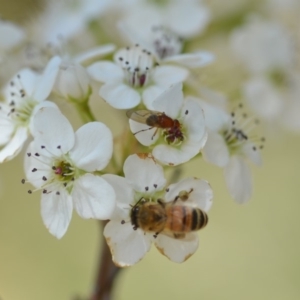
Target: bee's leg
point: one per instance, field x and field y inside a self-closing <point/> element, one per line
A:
<point x="178" y="235"/>
<point x="183" y="196"/>
<point x="161" y="202"/>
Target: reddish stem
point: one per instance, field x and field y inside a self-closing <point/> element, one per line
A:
<point x="107" y="273"/>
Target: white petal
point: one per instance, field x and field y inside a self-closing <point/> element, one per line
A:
<point x="177" y="250"/>
<point x="94" y="53"/>
<point x="14" y="146"/>
<point x="37" y="167"/>
<point x="215" y="118"/>
<point x="192" y="60"/>
<point x="215" y="150"/>
<point x="93" y="197"/>
<point x="127" y="246"/>
<point x="168" y="75"/>
<point x="36" y="109"/>
<point x="253" y="155"/>
<point x="170" y="101"/>
<point x="53" y="130"/>
<point x="56" y="212"/>
<point x="150" y="94"/>
<point x="45" y="84"/>
<point x="105" y="71"/>
<point x="168" y="155"/>
<point x="26" y="80"/>
<point x="200" y="192"/>
<point x="193" y="119"/>
<point x="93" y="147"/>
<point x="144" y="174"/>
<point x="124" y="196"/>
<point x="263" y="97"/>
<point x="120" y="95"/>
<point x="238" y="179"/>
<point x="7" y="125"/>
<point x="145" y="134"/>
<point x="187" y="18"/>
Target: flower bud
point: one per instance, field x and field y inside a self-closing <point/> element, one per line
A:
<point x="72" y="82"/>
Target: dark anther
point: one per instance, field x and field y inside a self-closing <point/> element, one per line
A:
<point x="34" y="170"/>
<point x="65" y="184"/>
<point x="167" y="189"/>
<point x="122" y="222"/>
<point x="29" y="191"/>
<point x="120" y="58"/>
<point x="155" y="185"/>
<point x="53" y="168"/>
<point x="29" y="154"/>
<point x="57" y="193"/>
<point x="43" y="147"/>
<point x="36" y="154"/>
<point x="186" y="112"/>
<point x="23" y="181"/>
<point x="44" y="191"/>
<point x="44" y="178"/>
<point x="254" y="148"/>
<point x="146" y="188"/>
<point x="58" y="147"/>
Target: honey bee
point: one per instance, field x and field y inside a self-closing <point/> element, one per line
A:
<point x="168" y="218"/>
<point x="157" y="120"/>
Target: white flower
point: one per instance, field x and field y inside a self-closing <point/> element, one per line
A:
<point x="228" y="146"/>
<point x="185" y="18"/>
<point x="24" y="94"/>
<point x="263" y="46"/>
<point x="165" y="45"/>
<point x="61" y="163"/>
<point x="183" y="138"/>
<point x="73" y="82"/>
<point x="144" y="180"/>
<point x="133" y="76"/>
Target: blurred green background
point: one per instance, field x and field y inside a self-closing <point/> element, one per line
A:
<point x="246" y="252"/>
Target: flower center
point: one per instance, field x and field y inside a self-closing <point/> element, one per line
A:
<point x="165" y="42"/>
<point x="239" y="132"/>
<point x="63" y="170"/>
<point x="137" y="64"/>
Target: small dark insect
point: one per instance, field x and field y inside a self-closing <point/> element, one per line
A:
<point x="158" y="120"/>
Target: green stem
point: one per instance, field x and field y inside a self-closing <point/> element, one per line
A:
<point x="84" y="112"/>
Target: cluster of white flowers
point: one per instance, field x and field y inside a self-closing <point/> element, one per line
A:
<point x="136" y="61"/>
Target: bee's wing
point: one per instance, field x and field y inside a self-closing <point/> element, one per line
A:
<point x="142" y="115"/>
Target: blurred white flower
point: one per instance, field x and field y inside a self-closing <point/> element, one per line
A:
<point x="263" y="46"/>
<point x="229" y="146"/>
<point x="144" y="179"/>
<point x="61" y="164"/>
<point x="185" y="18"/>
<point x="178" y="131"/>
<point x="64" y="19"/>
<point x="165" y="45"/>
<point x="263" y="98"/>
<point x="133" y="76"/>
<point x="24" y="95"/>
